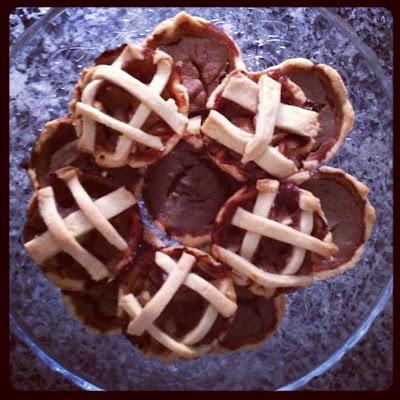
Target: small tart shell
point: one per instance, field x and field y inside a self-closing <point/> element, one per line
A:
<point x="149" y="346"/>
<point x="244" y="117"/>
<point x="272" y="262"/>
<point x="76" y="278"/>
<point x="183" y="193"/>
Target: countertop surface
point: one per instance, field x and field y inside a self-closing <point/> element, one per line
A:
<point x="368" y="366"/>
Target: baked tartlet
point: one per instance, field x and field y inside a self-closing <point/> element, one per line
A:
<point x="276" y="122"/>
<point x="180" y="302"/>
<point x="81" y="229"/>
<point x="130" y="107"/>
<point x="272" y="234"/>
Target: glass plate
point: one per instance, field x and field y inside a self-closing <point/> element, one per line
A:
<point x="322" y="322"/>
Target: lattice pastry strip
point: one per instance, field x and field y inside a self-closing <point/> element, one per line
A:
<point x="269" y="98"/>
<point x="219" y="128"/>
<point x="151" y="101"/>
<point x="245" y="92"/>
<point x="257" y="224"/>
<point x="179" y="274"/>
<point x="62" y="233"/>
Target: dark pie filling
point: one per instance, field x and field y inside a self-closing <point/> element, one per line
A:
<point x="254" y="320"/>
<point x="271" y="255"/>
<point x="97" y="306"/>
<point x="58" y="150"/>
<point x="128" y="224"/>
<point x="344" y="211"/>
<point x="186" y="308"/>
<point x="184" y="191"/>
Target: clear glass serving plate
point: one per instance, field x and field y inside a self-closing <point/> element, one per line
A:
<point x="322" y="322"/>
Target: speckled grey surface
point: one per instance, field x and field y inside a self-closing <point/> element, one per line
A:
<point x="319" y="318"/>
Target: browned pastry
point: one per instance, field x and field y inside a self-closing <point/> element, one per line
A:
<point x="81" y="229"/>
<point x="204" y="53"/>
<point x="180" y="301"/>
<point x="272" y="234"/>
<point x="130" y="107"/>
<point x="265" y="124"/>
<point x="184" y="192"/>
<point x="56" y="147"/>
<point x="256" y="320"/>
<point x="349" y="214"/>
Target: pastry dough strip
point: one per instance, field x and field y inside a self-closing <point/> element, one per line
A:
<point x="244" y="91"/>
<point x="269" y="98"/>
<point x="219" y="128"/>
<point x="57" y="227"/>
<point x="205" y="289"/>
<point x="46" y="246"/>
<point x="262" y="207"/>
<point x="275" y="230"/>
<point x="266" y="279"/>
<point x="133" y="308"/>
<point x="160" y="300"/>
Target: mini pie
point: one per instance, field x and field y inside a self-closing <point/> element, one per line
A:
<point x="271" y="234"/>
<point x="130" y="107"/>
<point x="56" y="147"/>
<point x="227" y="160"/>
<point x="204" y="53"/>
<point x="81" y="229"/>
<point x="184" y="192"/>
<point x="159" y="291"/>
<point x="272" y="123"/>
